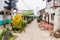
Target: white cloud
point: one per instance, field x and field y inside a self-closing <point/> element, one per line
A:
<point x="32" y="4"/>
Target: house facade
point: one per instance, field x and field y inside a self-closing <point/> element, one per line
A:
<point x="6" y="15"/>
<point x="52" y="13"/>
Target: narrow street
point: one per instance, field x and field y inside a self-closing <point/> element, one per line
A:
<point x="30" y="20"/>
<point x="33" y="33"/>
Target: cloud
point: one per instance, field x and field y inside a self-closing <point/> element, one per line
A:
<point x="32" y="4"/>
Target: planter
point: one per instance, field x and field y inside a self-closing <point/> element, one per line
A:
<point x="8" y="21"/>
<point x="1" y="20"/>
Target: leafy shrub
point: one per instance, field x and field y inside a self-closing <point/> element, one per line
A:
<point x="27" y="13"/>
<point x="16" y="22"/>
<point x="24" y="22"/>
<point x="29" y="20"/>
<point x="38" y="19"/>
<point x="4" y="32"/>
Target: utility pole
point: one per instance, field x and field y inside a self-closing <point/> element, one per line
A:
<point x="37" y="10"/>
<point x="4" y="17"/>
<point x="11" y="6"/>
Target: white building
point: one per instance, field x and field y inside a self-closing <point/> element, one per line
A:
<point x="2" y="4"/>
<point x="52" y="13"/>
<point x="8" y="17"/>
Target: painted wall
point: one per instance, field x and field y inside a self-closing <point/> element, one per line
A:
<point x="43" y="17"/>
<point x="8" y="19"/>
<point x="57" y="20"/>
<point x="1" y="4"/>
<point x="51" y="12"/>
<point x="1" y="20"/>
<point x="57" y="2"/>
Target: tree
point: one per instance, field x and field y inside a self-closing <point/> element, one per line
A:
<point x="27" y="13"/>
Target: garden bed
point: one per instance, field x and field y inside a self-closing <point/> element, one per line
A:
<point x="12" y="37"/>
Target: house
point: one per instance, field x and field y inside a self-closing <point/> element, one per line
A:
<point x="5" y="13"/>
<point x="54" y="7"/>
<point x="51" y="14"/>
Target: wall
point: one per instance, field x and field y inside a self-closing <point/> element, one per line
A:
<point x="43" y="16"/>
<point x="57" y="2"/>
<point x="1" y="4"/>
<point x="57" y="20"/>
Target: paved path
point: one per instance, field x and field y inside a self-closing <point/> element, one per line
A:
<point x="33" y="33"/>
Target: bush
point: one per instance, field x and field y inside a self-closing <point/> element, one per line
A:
<point x="16" y="22"/>
<point x="24" y="22"/>
<point x="38" y="19"/>
<point x="29" y="20"/>
<point x="5" y="33"/>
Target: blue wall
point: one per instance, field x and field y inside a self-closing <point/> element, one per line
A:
<point x="7" y="22"/>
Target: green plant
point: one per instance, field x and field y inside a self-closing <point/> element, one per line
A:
<point x="4" y="32"/>
<point x="27" y="13"/>
<point x="24" y="22"/>
<point x="39" y="18"/>
<point x="0" y="37"/>
<point x="29" y="20"/>
<point x="16" y="22"/>
<point x="12" y="37"/>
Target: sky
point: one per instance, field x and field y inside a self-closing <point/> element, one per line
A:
<point x="31" y="4"/>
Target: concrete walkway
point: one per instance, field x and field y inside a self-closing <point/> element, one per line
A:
<point x="32" y="33"/>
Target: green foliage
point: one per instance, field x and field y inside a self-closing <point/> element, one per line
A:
<point x="27" y="13"/>
<point x="29" y="20"/>
<point x="4" y="32"/>
<point x="0" y="37"/>
<point x="12" y="38"/>
<point x="38" y="19"/>
<point x="24" y="22"/>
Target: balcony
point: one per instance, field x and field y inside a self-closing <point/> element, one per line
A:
<point x="57" y="3"/>
<point x="53" y="3"/>
<point x="50" y="4"/>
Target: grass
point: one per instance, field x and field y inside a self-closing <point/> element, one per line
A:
<point x="12" y="38"/>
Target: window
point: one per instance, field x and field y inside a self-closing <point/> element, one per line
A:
<point x="59" y="11"/>
<point x="52" y="16"/>
<point x="48" y="18"/>
<point x="57" y="2"/>
<point x="2" y="12"/>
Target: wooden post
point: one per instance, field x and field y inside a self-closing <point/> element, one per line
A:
<point x="11" y="13"/>
<point x="11" y="16"/>
<point x="4" y="17"/>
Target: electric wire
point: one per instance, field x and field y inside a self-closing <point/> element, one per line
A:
<point x="25" y="4"/>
